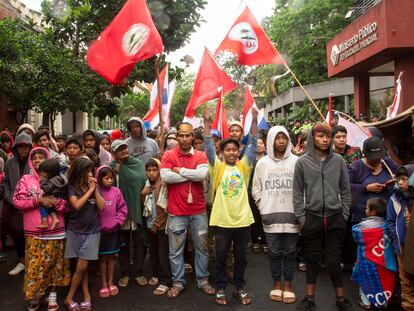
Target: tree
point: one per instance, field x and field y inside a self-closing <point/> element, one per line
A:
<point x="300" y="29"/>
<point x="132" y="104"/>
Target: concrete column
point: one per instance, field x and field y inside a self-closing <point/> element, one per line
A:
<point x="361" y="97"/>
<point x="284" y="112"/>
<point x="405" y="63"/>
<point x="346" y="97"/>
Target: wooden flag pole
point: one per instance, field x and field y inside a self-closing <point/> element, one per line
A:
<point x="160" y="106"/>
<point x="304" y="90"/>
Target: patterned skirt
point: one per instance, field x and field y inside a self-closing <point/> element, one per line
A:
<point x="45" y="266"/>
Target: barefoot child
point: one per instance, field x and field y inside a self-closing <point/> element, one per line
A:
<point x="83" y="231"/>
<point x="154" y="195"/>
<point x="53" y="183"/>
<point x="111" y="219"/>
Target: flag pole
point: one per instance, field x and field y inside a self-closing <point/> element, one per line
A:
<point x="304" y="90"/>
<point x="160" y="106"/>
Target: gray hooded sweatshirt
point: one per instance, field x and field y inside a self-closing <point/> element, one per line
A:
<point x="272" y="187"/>
<point x="143" y="148"/>
<point x="320" y="188"/>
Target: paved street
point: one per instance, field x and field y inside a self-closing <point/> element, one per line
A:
<point x="141" y="298"/>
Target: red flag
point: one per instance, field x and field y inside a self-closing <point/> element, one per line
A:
<point x="210" y="78"/>
<point x="220" y="119"/>
<point x="130" y="37"/>
<point x="248" y="41"/>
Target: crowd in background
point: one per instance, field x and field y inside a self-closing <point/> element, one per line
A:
<point x="188" y="197"/>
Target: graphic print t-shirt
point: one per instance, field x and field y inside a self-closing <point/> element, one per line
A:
<point x="231" y="205"/>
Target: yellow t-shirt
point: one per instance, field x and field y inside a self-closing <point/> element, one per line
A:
<point x="231" y="203"/>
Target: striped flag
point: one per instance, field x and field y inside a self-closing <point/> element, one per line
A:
<point x="249" y="103"/>
<point x="152" y="118"/>
<point x="392" y="113"/>
<point x="220" y="119"/>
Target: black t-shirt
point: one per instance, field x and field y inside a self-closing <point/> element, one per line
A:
<point x="85" y="220"/>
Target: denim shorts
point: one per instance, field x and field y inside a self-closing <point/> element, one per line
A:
<point x="84" y="246"/>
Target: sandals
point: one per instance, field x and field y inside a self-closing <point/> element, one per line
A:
<point x="175" y="291"/>
<point x="141" y="280"/>
<point x="104" y="293"/>
<point x="221" y="298"/>
<point x="123" y="281"/>
<point x="161" y="290"/>
<point x="113" y="290"/>
<point x="52" y="304"/>
<point x="289" y="297"/>
<point x="86" y="306"/>
<point x="33" y="305"/>
<point x="242" y="297"/>
<point x="188" y="268"/>
<point x="207" y="288"/>
<point x="276" y="295"/>
<point x="74" y="306"/>
<point x="154" y="281"/>
<point x="364" y="306"/>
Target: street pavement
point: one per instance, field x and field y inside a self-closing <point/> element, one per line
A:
<point x="135" y="297"/>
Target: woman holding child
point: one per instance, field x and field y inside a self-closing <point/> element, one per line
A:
<point x="44" y="260"/>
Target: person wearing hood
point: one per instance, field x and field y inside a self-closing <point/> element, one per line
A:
<point x="399" y="214"/>
<point x="12" y="219"/>
<point x="139" y="145"/>
<point x="91" y="140"/>
<point x="27" y="128"/>
<point x="7" y="142"/>
<point x="321" y="201"/>
<point x="272" y="192"/>
<point x="45" y="265"/>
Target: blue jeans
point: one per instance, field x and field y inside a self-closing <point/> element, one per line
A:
<point x="177" y="232"/>
<point x="282" y="255"/>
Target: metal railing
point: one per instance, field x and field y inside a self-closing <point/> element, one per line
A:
<point x="361" y="6"/>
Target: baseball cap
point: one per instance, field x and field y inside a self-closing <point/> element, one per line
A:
<point x="116" y="144"/>
<point x="374" y="148"/>
<point x="238" y="123"/>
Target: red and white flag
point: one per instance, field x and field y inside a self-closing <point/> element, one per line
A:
<point x="249" y="104"/>
<point x="152" y="118"/>
<point x="211" y="78"/>
<point x="131" y="37"/>
<point x="392" y="113"/>
<point x="248" y="41"/>
<point x="220" y="119"/>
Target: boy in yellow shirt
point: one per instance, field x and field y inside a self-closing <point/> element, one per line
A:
<point x="231" y="215"/>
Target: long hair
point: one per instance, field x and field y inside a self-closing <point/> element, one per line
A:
<point x="103" y="172"/>
<point x="78" y="173"/>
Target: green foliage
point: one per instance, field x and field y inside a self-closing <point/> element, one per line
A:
<point x="37" y="74"/>
<point x="132" y="104"/>
<point x="183" y="91"/>
<point x="301" y="29"/>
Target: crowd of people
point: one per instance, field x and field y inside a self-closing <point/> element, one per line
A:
<point x="188" y="197"/>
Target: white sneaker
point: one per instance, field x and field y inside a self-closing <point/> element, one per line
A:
<point x="16" y="270"/>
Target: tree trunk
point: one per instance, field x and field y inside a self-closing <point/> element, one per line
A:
<point x="45" y="118"/>
<point x="52" y="122"/>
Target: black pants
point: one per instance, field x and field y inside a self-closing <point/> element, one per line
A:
<point x="324" y="238"/>
<point x="349" y="250"/>
<point x="19" y="241"/>
<point x="133" y="241"/>
<point x="257" y="234"/>
<point x="224" y="237"/>
<point x="160" y="263"/>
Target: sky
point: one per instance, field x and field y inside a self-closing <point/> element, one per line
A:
<point x="218" y="15"/>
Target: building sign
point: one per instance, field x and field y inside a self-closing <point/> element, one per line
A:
<point x="365" y="36"/>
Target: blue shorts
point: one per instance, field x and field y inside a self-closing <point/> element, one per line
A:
<point x="84" y="246"/>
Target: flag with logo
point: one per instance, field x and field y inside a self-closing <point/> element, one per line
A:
<point x="152" y="118"/>
<point x="131" y="37"/>
<point x="376" y="266"/>
<point x="210" y="79"/>
<point x="249" y="104"/>
<point x="220" y="119"/>
<point x="392" y="113"/>
<point x="248" y="41"/>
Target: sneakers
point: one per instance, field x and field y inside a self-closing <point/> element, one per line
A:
<point x="16" y="270"/>
<point x="344" y="305"/>
<point x="306" y="305"/>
